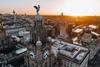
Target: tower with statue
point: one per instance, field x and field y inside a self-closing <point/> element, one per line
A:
<point x="38" y="54"/>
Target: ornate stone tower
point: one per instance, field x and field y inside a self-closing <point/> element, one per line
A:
<point x="37" y="25"/>
<point x="38" y="55"/>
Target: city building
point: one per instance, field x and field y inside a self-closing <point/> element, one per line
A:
<point x="38" y="54"/>
<point x="69" y="55"/>
<point x="88" y="38"/>
<point x="16" y="27"/>
<point x="2" y="31"/>
<point x="12" y="53"/>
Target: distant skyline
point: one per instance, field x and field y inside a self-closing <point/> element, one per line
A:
<point x="52" y="7"/>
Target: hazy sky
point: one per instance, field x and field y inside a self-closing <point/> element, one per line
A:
<point x="68" y="7"/>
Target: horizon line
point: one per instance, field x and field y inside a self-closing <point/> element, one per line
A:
<point x="47" y="14"/>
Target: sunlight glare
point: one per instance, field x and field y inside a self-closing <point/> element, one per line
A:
<point x="80" y="7"/>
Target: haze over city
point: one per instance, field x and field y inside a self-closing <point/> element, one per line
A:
<point x="52" y="7"/>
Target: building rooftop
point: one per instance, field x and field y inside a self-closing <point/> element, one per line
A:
<point x="12" y="55"/>
<point x="69" y="51"/>
<point x="73" y="52"/>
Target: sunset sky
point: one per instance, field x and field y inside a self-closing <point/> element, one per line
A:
<point x="52" y="7"/>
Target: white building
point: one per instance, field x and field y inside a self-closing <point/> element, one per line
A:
<point x="25" y="35"/>
<point x="69" y="54"/>
<point x="14" y="31"/>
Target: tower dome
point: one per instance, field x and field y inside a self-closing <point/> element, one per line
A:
<point x="37" y="18"/>
<point x="38" y="43"/>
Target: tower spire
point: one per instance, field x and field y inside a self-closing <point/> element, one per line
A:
<point x="14" y="14"/>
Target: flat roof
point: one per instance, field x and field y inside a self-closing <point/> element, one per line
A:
<point x="69" y="51"/>
<point x="73" y="53"/>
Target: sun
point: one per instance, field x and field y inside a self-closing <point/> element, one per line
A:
<point x="80" y="7"/>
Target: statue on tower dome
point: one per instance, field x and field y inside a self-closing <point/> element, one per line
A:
<point x="37" y="24"/>
<point x="37" y="9"/>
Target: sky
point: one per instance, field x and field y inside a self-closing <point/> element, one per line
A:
<point x="52" y="7"/>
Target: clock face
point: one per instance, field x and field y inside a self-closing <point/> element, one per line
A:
<point x="46" y="54"/>
<point x="32" y="55"/>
